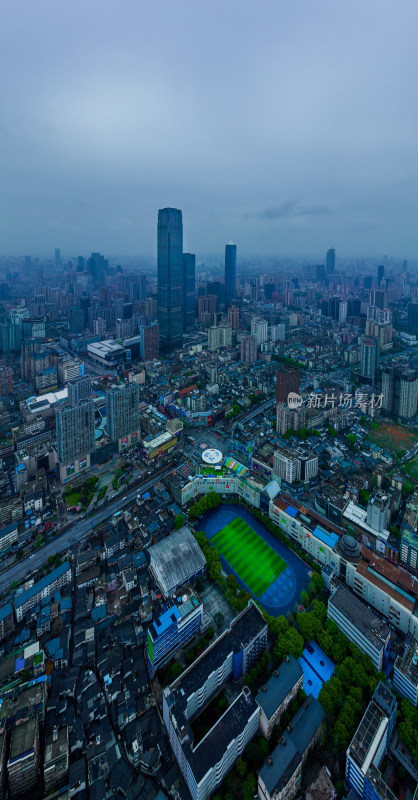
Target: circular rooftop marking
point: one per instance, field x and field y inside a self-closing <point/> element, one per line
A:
<point x="212" y="456"/>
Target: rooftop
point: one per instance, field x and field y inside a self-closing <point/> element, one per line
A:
<point x="175" y="559"/>
<point x="23" y="740"/>
<point x="357" y="612"/>
<point x="408" y="663"/>
<point x="22" y="598"/>
<point x="287" y="755"/>
<point x="214" y="745"/>
<point x="279" y="686"/>
<point x="240" y="633"/>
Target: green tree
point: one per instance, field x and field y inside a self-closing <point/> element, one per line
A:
<point x="319" y="610"/>
<point x="240" y="768"/>
<point x="178" y="521"/>
<point x="318" y="582"/>
<point x="309" y="625"/>
<point x="304" y="597"/>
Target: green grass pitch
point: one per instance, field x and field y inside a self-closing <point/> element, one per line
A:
<point x="256" y="563"/>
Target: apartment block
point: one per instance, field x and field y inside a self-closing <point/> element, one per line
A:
<point x="205" y="764"/>
<point x="176" y="626"/>
<point x="369" y="745"/>
<point x="46" y="587"/>
<point x="405" y="672"/>
<point x="359" y="624"/>
<point x="280" y="777"/>
<point x="275" y="696"/>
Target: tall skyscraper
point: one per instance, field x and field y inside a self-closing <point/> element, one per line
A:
<point x="320" y="273"/>
<point x="330" y="262"/>
<point x="98" y="266"/>
<point x="149" y="341"/>
<point x="369" y="358"/>
<point x="75" y="437"/>
<point x="233" y="317"/>
<point x="400" y="392"/>
<point x="189" y="261"/>
<point x="79" y="389"/>
<point x="230" y="273"/>
<point x="122" y="411"/>
<point x="170" y="277"/>
<point x="248" y="349"/>
<point x="287" y="381"/>
<point x="57" y="257"/>
<point x="380" y="273"/>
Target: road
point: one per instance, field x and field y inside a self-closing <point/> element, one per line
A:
<point x="78" y="530"/>
<point x="251" y="413"/>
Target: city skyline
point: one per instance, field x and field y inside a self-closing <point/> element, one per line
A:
<point x="289" y="131"/>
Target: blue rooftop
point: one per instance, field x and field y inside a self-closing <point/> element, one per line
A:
<point x="22" y="598"/>
<point x="291" y="511"/>
<point x="5" y="611"/>
<point x="165" y="621"/>
<point x="329" y="539"/>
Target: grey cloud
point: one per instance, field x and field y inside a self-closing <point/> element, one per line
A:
<point x="289" y="209"/>
<point x="113" y="110"/>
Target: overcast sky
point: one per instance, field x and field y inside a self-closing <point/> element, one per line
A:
<point x="286" y="126"/>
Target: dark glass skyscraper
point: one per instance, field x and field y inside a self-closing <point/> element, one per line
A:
<point x="170" y="277"/>
<point x="330" y="262"/>
<point x="189" y="260"/>
<point x="230" y="273"/>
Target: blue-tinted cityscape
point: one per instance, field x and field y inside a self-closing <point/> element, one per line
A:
<point x="208" y="402"/>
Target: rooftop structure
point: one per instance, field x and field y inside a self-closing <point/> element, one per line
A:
<point x="359" y="624"/>
<point x="278" y="778"/>
<point x="176" y="626"/>
<point x="369" y="744"/>
<point x="405" y="676"/>
<point x="176" y="560"/>
<point x="275" y="696"/>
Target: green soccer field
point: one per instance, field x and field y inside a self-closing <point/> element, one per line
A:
<point x="256" y="563"/>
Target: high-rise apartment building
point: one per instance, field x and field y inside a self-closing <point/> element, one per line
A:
<point x="230" y="273"/>
<point x="342" y="312"/>
<point x="150" y="341"/>
<point x="330" y="262"/>
<point x="207" y="306"/>
<point x="170" y="277"/>
<point x="287" y="381"/>
<point x="369" y="359"/>
<point x="292" y="466"/>
<point x="259" y="329"/>
<point x="400" y="392"/>
<point x="378" y="298"/>
<point x="248" y="349"/>
<point x="233" y="317"/>
<point x="219" y="336"/>
<point x="6" y="381"/>
<point x="189" y="263"/>
<point x="122" y="410"/>
<point x="79" y="389"/>
<point x="75" y="437"/>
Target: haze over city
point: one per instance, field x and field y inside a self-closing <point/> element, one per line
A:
<point x="286" y="127"/>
